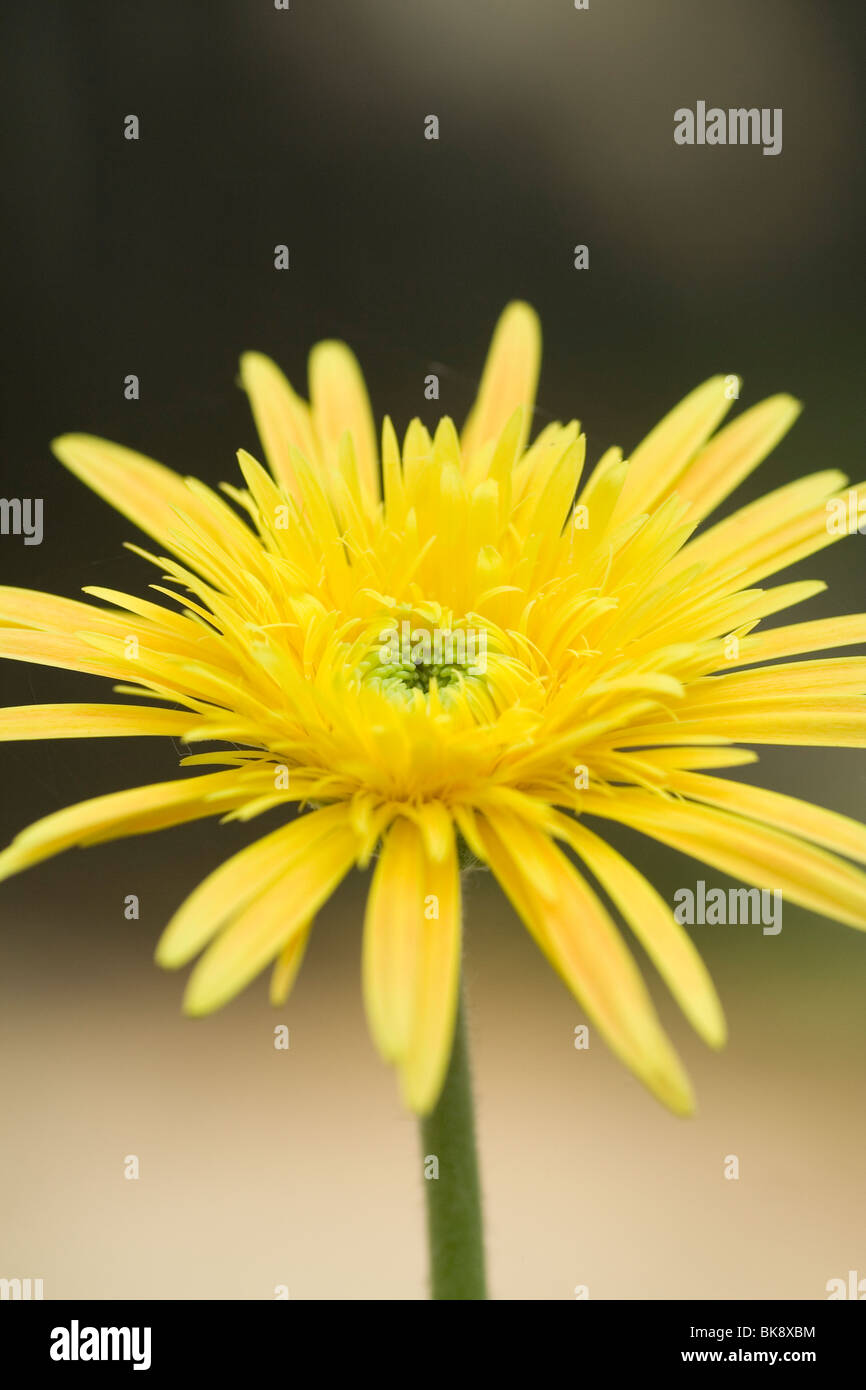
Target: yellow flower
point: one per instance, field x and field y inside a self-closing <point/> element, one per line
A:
<point x="461" y="656"/>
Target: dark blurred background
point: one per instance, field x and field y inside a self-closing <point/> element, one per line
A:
<point x="155" y="257"/>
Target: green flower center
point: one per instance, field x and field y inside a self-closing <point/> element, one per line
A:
<point x="411" y="659"/>
<point x="419" y="676"/>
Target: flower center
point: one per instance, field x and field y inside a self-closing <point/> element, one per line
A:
<point x="413" y="657"/>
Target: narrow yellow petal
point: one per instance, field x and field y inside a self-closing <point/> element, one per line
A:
<point x="392" y="929"/>
<point x="734" y="452"/>
<point x="576" y="934"/>
<point x="611" y="461"/>
<point x="30" y="608"/>
<point x="91" y="721"/>
<point x="226" y="891"/>
<point x="392" y="477"/>
<point x="266" y="496"/>
<point x="339" y="401"/>
<point x="532" y="472"/>
<point x="288" y="964"/>
<point x="282" y="419"/>
<point x="132" y="812"/>
<point x="53" y="649"/>
<point x="656" y="463"/>
<point x="764" y="536"/>
<point x="509" y="378"/>
<point x="827" y="828"/>
<point x="651" y="919"/>
<point x="667" y="759"/>
<point x="831" y="722"/>
<point x="170" y="508"/>
<point x="434" y="1006"/>
<point x="554" y="502"/>
<point x="601" y="496"/>
<point x="729" y="691"/>
<point x="757" y="854"/>
<point x="795" y="639"/>
<point x="263" y="928"/>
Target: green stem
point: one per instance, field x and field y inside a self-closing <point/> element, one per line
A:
<point x="454" y="1225"/>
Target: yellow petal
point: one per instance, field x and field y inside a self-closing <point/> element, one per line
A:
<point x="90" y="721"/>
<point x="132" y="812"/>
<point x="156" y="499"/>
<point x="339" y="401"/>
<point x="392" y="476"/>
<point x="656" y="463"/>
<point x="578" y="937"/>
<point x="288" y="964"/>
<point x="832" y="722"/>
<point x="554" y="502"/>
<point x="263" y="928"/>
<point x="282" y="419"/>
<point x="827" y="828"/>
<point x="796" y="638"/>
<point x="729" y="692"/>
<point x="534" y="469"/>
<point x="53" y="649"/>
<point x="765" y="536"/>
<point x="668" y="759"/>
<point x="651" y="919"/>
<point x="226" y="891"/>
<point x="392" y="928"/>
<point x="65" y="621"/>
<point x="601" y="496"/>
<point x="30" y="608"/>
<point x="756" y="854"/>
<point x="437" y="980"/>
<point x="509" y="379"/>
<point x="735" y="452"/>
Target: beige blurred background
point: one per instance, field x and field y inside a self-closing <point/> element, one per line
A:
<point x="261" y="1167"/>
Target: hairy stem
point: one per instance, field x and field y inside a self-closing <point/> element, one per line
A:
<point x="454" y="1223"/>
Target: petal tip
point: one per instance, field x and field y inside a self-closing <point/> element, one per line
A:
<point x="167" y="958"/>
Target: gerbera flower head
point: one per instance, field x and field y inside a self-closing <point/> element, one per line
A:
<point x="450" y="646"/>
